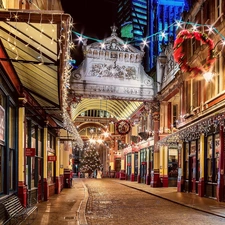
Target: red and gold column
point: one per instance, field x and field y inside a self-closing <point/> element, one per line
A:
<point x="57" y="165"/>
<point x="155" y="180"/>
<point x="132" y="167"/>
<point x="45" y="161"/>
<point x="22" y="188"/>
<point x="220" y="182"/>
<point x="180" y="178"/>
<point x="201" y="178"/>
<point x="163" y="167"/>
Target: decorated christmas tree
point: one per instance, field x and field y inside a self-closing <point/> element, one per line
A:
<point x="90" y="161"/>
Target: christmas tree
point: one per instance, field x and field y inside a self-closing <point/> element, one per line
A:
<point x="90" y="161"/>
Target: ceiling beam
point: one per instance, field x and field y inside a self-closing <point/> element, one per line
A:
<point x="30" y="61"/>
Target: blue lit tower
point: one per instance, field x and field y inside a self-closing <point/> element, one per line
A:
<point x="147" y="18"/>
<point x="132" y="16"/>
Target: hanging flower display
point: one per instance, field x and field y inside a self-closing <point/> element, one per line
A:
<point x="179" y="55"/>
<point x="123" y="127"/>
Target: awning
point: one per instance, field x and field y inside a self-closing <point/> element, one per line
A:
<point x="37" y="47"/>
<point x="203" y="125"/>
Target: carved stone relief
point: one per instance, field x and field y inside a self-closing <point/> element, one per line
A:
<point x="115" y="71"/>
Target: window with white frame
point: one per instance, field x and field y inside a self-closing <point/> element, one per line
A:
<point x="218" y="8"/>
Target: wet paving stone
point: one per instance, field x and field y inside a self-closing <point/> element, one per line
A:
<point x="111" y="203"/>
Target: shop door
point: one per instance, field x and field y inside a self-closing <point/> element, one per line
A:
<point x="117" y="167"/>
<point x="193" y="174"/>
<point x="40" y="180"/>
<point x="128" y="172"/>
<point x="143" y="173"/>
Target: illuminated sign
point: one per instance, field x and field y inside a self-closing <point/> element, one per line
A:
<point x="52" y="158"/>
<point x="30" y="151"/>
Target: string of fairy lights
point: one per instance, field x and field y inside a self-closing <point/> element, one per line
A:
<point x="211" y="29"/>
<point x="68" y="123"/>
<point x="65" y="36"/>
<point x="192" y="30"/>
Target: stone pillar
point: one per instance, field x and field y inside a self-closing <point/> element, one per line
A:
<point x="22" y="187"/>
<point x="45" y="161"/>
<point x="57" y="165"/>
<point x="155" y="180"/>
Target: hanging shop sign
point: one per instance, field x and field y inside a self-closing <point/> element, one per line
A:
<point x="2" y="124"/>
<point x="123" y="127"/>
<point x="30" y="152"/>
<point x="52" y="158"/>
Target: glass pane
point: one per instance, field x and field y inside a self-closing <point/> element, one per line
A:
<point x="11" y="127"/>
<point x="193" y="147"/>
<point x="50" y="173"/>
<point x="32" y="171"/>
<point x="11" y="158"/>
<point x="209" y="159"/>
<point x="173" y="163"/>
<point x="186" y="151"/>
<point x="136" y="163"/>
<point x="39" y="170"/>
<point x="1" y="169"/>
<point x="217" y="156"/>
<point x="187" y="170"/>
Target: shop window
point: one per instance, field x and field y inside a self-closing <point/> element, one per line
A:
<point x="218" y="8"/>
<point x="51" y="141"/>
<point x="1" y="169"/>
<point x="143" y="155"/>
<point x="217" y="156"/>
<point x="12" y="127"/>
<point x="48" y="140"/>
<point x="1" y="5"/>
<point x="129" y="164"/>
<point x="12" y="140"/>
<point x="175" y="115"/>
<point x="198" y="162"/>
<point x="173" y="163"/>
<point x="2" y="138"/>
<point x="136" y="163"/>
<point x="186" y="161"/>
<point x="50" y="173"/>
<point x="195" y="96"/>
<point x="32" y="172"/>
<point x="11" y="161"/>
<point x="39" y="170"/>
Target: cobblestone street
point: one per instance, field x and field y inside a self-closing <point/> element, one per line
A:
<point x="111" y="203"/>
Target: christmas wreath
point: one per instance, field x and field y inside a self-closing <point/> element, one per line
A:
<point x="179" y="54"/>
<point x="123" y="127"/>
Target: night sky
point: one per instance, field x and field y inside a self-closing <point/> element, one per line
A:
<point x="92" y="18"/>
